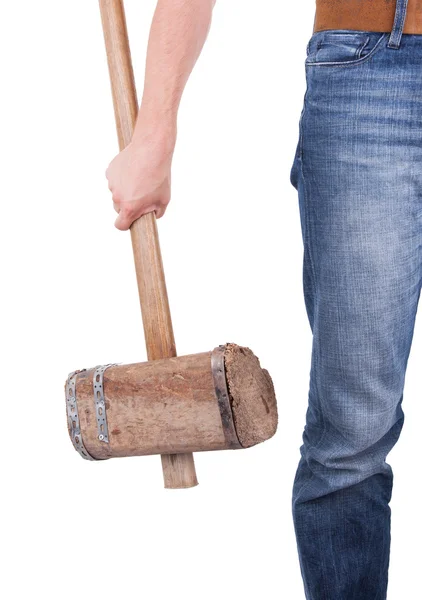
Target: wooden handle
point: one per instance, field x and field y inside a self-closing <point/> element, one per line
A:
<point x="178" y="469"/>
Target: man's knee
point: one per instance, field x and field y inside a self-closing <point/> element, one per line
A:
<point x="347" y="450"/>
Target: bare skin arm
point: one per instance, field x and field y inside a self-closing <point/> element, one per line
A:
<point x="139" y="177"/>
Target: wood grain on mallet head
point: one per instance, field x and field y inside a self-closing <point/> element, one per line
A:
<point x="169" y="406"/>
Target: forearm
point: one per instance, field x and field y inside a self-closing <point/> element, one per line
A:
<point x="178" y="32"/>
<point x="139" y="176"/>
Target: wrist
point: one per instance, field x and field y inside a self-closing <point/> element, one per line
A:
<point x="158" y="130"/>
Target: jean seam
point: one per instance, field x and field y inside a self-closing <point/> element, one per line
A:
<point x="306" y="240"/>
<point x="311" y="261"/>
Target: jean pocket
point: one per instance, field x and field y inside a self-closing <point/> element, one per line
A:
<point x="342" y="47"/>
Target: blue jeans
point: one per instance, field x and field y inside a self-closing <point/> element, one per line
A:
<point x="358" y="172"/>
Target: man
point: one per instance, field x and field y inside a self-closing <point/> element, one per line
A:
<point x="358" y="172"/>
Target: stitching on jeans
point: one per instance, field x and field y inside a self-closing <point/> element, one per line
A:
<point x="358" y="51"/>
<point x="303" y="178"/>
<point x="348" y="63"/>
<point x="311" y="262"/>
<point x="362" y="48"/>
<point x="324" y="431"/>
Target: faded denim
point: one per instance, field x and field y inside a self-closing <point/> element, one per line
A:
<point x="358" y="172"/>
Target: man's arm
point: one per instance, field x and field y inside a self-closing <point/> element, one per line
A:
<point x="139" y="177"/>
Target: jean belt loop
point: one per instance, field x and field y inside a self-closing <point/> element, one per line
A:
<point x="399" y="18"/>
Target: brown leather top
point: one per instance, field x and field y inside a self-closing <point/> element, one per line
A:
<point x="366" y="15"/>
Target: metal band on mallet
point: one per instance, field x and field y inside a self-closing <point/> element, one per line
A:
<point x="73" y="416"/>
<point x="223" y="398"/>
<point x="99" y="400"/>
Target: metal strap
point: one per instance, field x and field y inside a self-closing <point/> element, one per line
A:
<point x="99" y="400"/>
<point x="220" y="384"/>
<point x="73" y="416"/>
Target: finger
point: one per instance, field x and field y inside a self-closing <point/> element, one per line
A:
<point x="116" y="207"/>
<point x="159" y="212"/>
<point x="123" y="221"/>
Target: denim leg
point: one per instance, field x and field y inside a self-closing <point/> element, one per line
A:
<point x="358" y="173"/>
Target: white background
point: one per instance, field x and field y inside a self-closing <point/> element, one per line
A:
<point x="232" y="252"/>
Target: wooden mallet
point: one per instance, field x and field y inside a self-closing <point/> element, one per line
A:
<point x="170" y="405"/>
